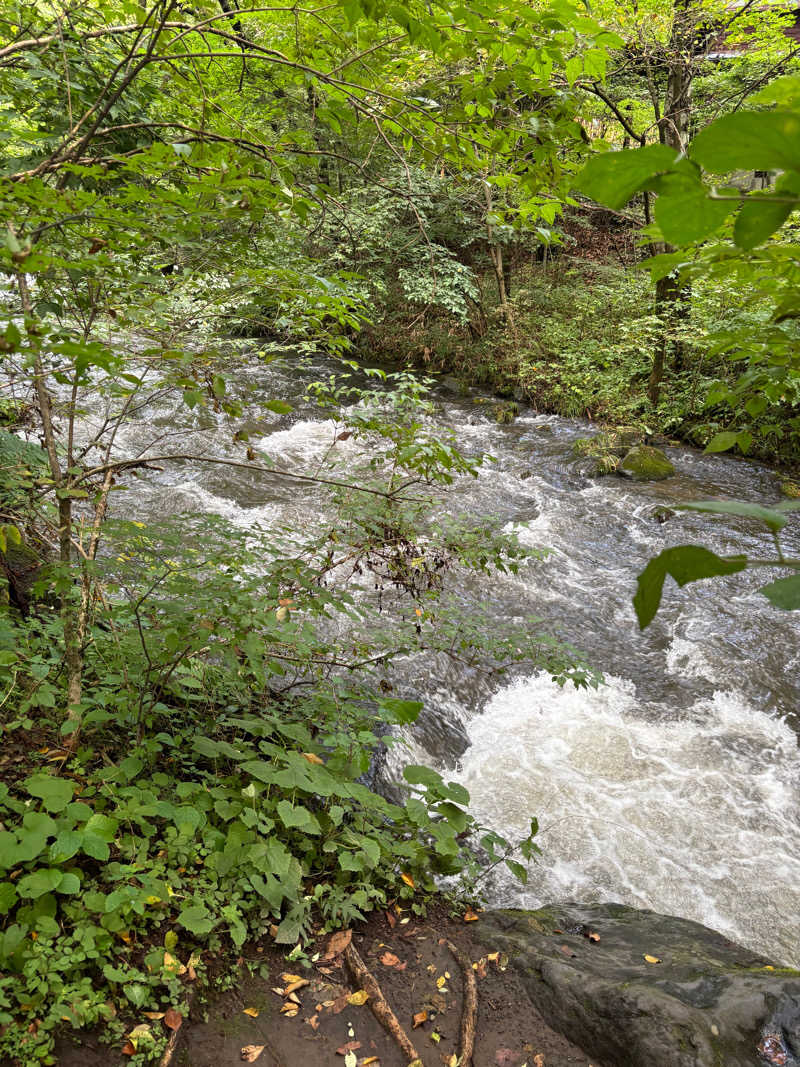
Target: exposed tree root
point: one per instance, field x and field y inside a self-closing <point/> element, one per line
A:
<point x="469" y="1012"/>
<point x="378" y="1003"/>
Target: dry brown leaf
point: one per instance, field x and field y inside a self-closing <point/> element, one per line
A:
<point x="129" y="1049"/>
<point x="154" y="1015"/>
<point x="592" y="936"/>
<point x="388" y="959"/>
<point x="297" y="984"/>
<point x="173" y="1019"/>
<point x="652" y="959"/>
<point x="359" y="998"/>
<point x="567" y="951"/>
<point x="312" y="757"/>
<point x="391" y="920"/>
<point x="338" y="942"/>
<point x="493" y="957"/>
<point x="250" y="1053"/>
<point x="351" y="1046"/>
<point x="408" y="880"/>
<point x="538" y="1060"/>
<point x="313" y="1022"/>
<point x="480" y="968"/>
<point x="470" y="916"/>
<point x="252" y="1012"/>
<point x="340" y="1003"/>
<point x="294" y="999"/>
<point x="420" y="1018"/>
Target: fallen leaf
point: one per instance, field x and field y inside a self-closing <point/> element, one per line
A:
<point x="391" y="920"/>
<point x="505" y="1057"/>
<point x="339" y="1004"/>
<point x="313" y="1022"/>
<point x="592" y="936"/>
<point x="369" y="1060"/>
<point x="435" y="1037"/>
<point x="295" y="985"/>
<point x="388" y="959"/>
<point x="568" y="951"/>
<point x="420" y="1018"/>
<point x="538" y="1060"/>
<point x="289" y="1010"/>
<point x="173" y="1019"/>
<point x="139" y="1031"/>
<point x="250" y="1053"/>
<point x="351" y="1046"/>
<point x="493" y="957"/>
<point x="154" y="1015"/>
<point x="480" y="968"/>
<point x="359" y="998"/>
<point x="652" y="959"/>
<point x="293" y="999"/>
<point x="350" y="1060"/>
<point x="252" y="1012"/>
<point x="440" y="981"/>
<point x="129" y="1049"/>
<point x="338" y="942"/>
<point x="312" y="757"/>
<point x="470" y="916"/>
<point x="408" y="880"/>
<point x="288" y="978"/>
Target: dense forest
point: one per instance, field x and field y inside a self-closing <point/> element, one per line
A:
<point x="220" y="217"/>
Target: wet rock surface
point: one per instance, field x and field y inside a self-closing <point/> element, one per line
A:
<point x="645" y="463"/>
<point x="706" y="1002"/>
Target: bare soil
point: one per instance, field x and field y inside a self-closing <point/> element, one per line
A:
<point x="425" y="978"/>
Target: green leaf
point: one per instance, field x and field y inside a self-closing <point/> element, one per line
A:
<point x="8" y="897"/>
<point x="40" y="882"/>
<point x="784" y="593"/>
<point x="757" y="221"/>
<point x="415" y="774"/>
<point x="613" y="177"/>
<point x="102" y="826"/>
<point x="749" y="140"/>
<point x="95" y="847"/>
<point x="519" y="872"/>
<point x="70" y="883"/>
<point x="690" y="215"/>
<point x="196" y="919"/>
<point x="721" y="442"/>
<point x="402" y="711"/>
<point x="55" y="793"/>
<point x="687" y="563"/>
<point x="65" y="845"/>
<point x="280" y="407"/>
<point x="295" y="816"/>
<point x="773" y="519"/>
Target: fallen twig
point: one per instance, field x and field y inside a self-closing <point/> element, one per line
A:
<point x="172" y="1044"/>
<point x="469" y="1012"/>
<point x="378" y="1003"/>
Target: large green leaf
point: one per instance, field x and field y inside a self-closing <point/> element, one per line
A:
<point x="758" y="220"/>
<point x="690" y="215"/>
<point x="773" y="519"/>
<point x="686" y="563"/>
<point x="749" y="140"/>
<point x="55" y="793"/>
<point x="784" y="593"/>
<point x="613" y="177"/>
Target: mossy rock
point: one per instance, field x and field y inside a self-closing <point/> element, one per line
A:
<point x="790" y="489"/>
<point x="506" y="413"/>
<point x="636" y="989"/>
<point x="646" y="464"/>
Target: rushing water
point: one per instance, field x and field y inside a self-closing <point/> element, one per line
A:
<point x="675" y="786"/>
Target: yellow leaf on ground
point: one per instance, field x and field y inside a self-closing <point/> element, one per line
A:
<point x="289" y="978"/>
<point x="408" y="880"/>
<point x="154" y="1015"/>
<point x="359" y="998"/>
<point x="440" y="981"/>
<point x="250" y="1053"/>
<point x="297" y="984"/>
<point x="652" y="959"/>
<point x="420" y="1018"/>
<point x="470" y="916"/>
<point x="252" y="1012"/>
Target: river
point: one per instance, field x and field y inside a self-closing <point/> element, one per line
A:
<point x="675" y="785"/>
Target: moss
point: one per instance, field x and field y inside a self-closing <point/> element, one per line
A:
<point x="790" y="489"/>
<point x="645" y="463"/>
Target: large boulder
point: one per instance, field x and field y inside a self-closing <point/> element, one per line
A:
<point x="637" y="989"/>
<point x="646" y="464"/>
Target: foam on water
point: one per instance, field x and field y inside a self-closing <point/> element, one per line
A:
<point x="698" y="816"/>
